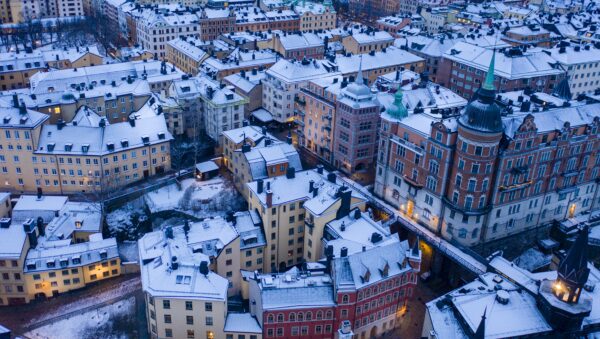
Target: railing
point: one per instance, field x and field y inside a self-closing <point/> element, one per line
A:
<point x="451" y="251"/>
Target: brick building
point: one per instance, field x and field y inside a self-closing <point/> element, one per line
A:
<point x="463" y="67"/>
<point x="488" y="173"/>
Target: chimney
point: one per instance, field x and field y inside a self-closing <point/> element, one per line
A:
<point x="311" y="186"/>
<point x="268" y="185"/>
<point x="40" y="226"/>
<point x="315" y="191"/>
<point x="259" y="186"/>
<point x="132" y="121"/>
<point x="246" y="148"/>
<point x="320" y="169"/>
<point x="15" y="100"/>
<point x="291" y="173"/>
<point x="245" y="123"/>
<point x="267" y="141"/>
<point x="357" y="214"/>
<point x="343" y="226"/>
<point x="364" y="248"/>
<point x="39" y="193"/>
<point x="264" y="130"/>
<point x="344" y="252"/>
<point x="102" y="123"/>
<point x="329" y="256"/>
<point x="269" y="198"/>
<point x="29" y="229"/>
<point x="174" y="263"/>
<point x="331" y="177"/>
<point x="204" y="268"/>
<point x="345" y="195"/>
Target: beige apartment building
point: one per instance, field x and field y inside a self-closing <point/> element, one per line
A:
<point x="17" y="68"/>
<point x="184" y="53"/>
<point x="366" y="42"/>
<point x="184" y="298"/>
<point x="49" y="272"/>
<point x="315" y="16"/>
<point x="89" y="157"/>
<point x="295" y="209"/>
<point x="14" y="244"/>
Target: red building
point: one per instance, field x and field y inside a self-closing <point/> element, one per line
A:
<point x="363" y="289"/>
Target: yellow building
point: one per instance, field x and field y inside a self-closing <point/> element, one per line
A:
<point x="184" y="298"/>
<point x="51" y="271"/>
<point x="184" y="53"/>
<point x="14" y="244"/>
<point x="295" y="209"/>
<point x="315" y="16"/>
<point x="366" y="42"/>
<point x="90" y="157"/>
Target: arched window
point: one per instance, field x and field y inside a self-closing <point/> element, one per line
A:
<point x="280" y="318"/>
<point x="475" y="233"/>
<point x="292" y="316"/>
<point x="345" y="299"/>
<point x="308" y="315"/>
<point x="329" y="315"/>
<point x="319" y="315"/>
<point x="300" y="316"/>
<point x="270" y="318"/>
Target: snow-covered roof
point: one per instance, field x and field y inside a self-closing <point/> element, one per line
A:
<point x="553" y="119"/>
<point x="353" y="234"/>
<point x="291" y="71"/>
<point x="259" y="158"/>
<point x="300" y="41"/>
<point x="30" y="206"/>
<point x="286" y="190"/>
<point x="189" y="48"/>
<point x="288" y="290"/>
<point x="373" y="37"/>
<point x="393" y="56"/>
<point x="95" y="140"/>
<point x="61" y="80"/>
<point x="571" y="57"/>
<point x="240" y="59"/>
<point x="207" y="166"/>
<point x="158" y="252"/>
<point x="73" y="255"/>
<point x="12" y="240"/>
<point x="519" y="66"/>
<point x="249" y="226"/>
<point x="242" y="323"/>
<point x="251" y="133"/>
<point x="351" y="271"/>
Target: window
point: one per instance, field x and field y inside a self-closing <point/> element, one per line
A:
<point x="189" y="306"/>
<point x="208" y="307"/>
<point x="167" y="304"/>
<point x="209" y="321"/>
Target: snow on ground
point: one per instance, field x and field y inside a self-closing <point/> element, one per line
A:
<point x="106" y="320"/>
<point x="198" y="198"/>
<point x="171" y="197"/>
<point x="532" y="259"/>
<point x="127" y="222"/>
<point x="112" y="293"/>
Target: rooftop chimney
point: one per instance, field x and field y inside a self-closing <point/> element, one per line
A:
<point x="204" y="268"/>
<point x="259" y="186"/>
<point x="291" y="173"/>
<point x="269" y="198"/>
<point x="344" y="252"/>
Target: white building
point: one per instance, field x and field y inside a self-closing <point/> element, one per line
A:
<point x="582" y="64"/>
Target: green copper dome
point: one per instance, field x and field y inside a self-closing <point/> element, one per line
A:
<point x="397" y="110"/>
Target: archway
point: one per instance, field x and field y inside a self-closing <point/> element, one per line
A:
<point x="373" y="332"/>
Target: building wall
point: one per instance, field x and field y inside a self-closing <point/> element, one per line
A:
<point x="310" y="21"/>
<point x="354" y="47"/>
<point x="54" y="282"/>
<point x="201" y="312"/>
<point x="316" y="132"/>
<point x="13" y="287"/>
<point x="314" y="322"/>
<point x="227" y="265"/>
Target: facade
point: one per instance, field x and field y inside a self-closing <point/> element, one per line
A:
<point x="51" y="246"/>
<point x="285" y="79"/>
<point x="16" y="68"/>
<point x="316" y="16"/>
<point x="184" y="298"/>
<point x="249" y="86"/>
<point x="214" y="22"/>
<point x="315" y="128"/>
<point x="185" y="55"/>
<point x="356" y="121"/>
<point x="74" y="158"/>
<point x="483" y="175"/>
<point x="393" y="23"/>
<point x="462" y="69"/>
<point x="367" y="41"/>
<point x="263" y="159"/>
<point x="294" y="210"/>
<point x="581" y="64"/>
<point x="358" y="292"/>
<point x="157" y="27"/>
<point x="299" y="46"/>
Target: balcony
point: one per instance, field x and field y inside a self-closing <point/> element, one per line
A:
<point x="299" y="112"/>
<point x="300" y="101"/>
<point x="513" y="187"/>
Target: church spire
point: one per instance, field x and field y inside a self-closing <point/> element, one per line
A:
<point x="489" y="77"/>
<point x="480" y="332"/>
<point x="573" y="271"/>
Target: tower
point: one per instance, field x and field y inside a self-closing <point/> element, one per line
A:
<point x="563" y="301"/>
<point x="471" y="178"/>
<point x="398" y="110"/>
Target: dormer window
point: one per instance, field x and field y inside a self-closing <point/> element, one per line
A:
<point x="68" y="147"/>
<point x="124" y="143"/>
<point x="110" y="146"/>
<point x="161" y="136"/>
<point x="366" y="276"/>
<point x="78" y="223"/>
<point x="50" y="147"/>
<point x="85" y="148"/>
<point x="146" y="139"/>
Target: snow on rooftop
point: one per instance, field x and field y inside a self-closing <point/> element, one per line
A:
<point x="241" y="323"/>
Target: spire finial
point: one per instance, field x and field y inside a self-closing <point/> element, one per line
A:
<point x="480" y="332"/>
<point x="359" y="76"/>
<point x="489" y="77"/>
